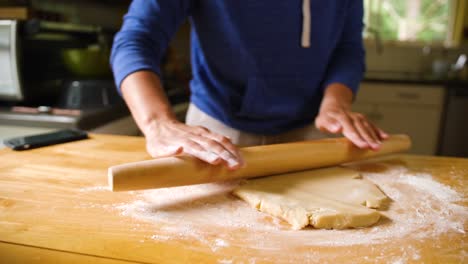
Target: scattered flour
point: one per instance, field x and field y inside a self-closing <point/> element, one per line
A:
<point x="221" y="243"/>
<point x="399" y="261"/>
<point x="421" y="208"/>
<point x="425" y="183"/>
<point x="95" y="188"/>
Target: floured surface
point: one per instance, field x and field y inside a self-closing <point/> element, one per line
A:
<point x="54" y="199"/>
<point x="326" y="198"/>
<point x="422" y="212"/>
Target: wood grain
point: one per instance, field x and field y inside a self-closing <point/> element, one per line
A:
<point x="260" y="161"/>
<point x="13" y="253"/>
<point x="54" y="199"/>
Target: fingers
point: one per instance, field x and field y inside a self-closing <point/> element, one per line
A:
<point x="195" y="141"/>
<point x="224" y="141"/>
<point x="231" y="152"/>
<point x="328" y="124"/>
<point x="163" y="150"/>
<point x="195" y="149"/>
<point x="381" y="133"/>
<point x="367" y="132"/>
<point x="219" y="150"/>
<point x="160" y="149"/>
<point x="354" y="126"/>
<point x="220" y="145"/>
<point x="349" y="130"/>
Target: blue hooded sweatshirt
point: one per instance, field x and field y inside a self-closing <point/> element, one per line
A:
<point x="259" y="66"/>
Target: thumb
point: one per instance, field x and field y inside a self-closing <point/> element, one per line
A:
<point x="328" y="124"/>
<point x="165" y="151"/>
<point x="175" y="150"/>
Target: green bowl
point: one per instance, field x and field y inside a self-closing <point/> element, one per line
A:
<point x="87" y="63"/>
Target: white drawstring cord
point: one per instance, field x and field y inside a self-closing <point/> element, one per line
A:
<point x="305" y="39"/>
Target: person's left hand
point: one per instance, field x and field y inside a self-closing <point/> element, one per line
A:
<point x="336" y="118"/>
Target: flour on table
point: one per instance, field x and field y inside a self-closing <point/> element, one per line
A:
<point x="95" y="188"/>
<point x="421" y="208"/>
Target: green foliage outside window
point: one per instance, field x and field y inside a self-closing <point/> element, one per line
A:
<point x="410" y="20"/>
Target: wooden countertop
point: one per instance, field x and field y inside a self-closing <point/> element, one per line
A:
<point x="53" y="207"/>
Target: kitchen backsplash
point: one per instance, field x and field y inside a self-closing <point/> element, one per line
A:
<point x="409" y="59"/>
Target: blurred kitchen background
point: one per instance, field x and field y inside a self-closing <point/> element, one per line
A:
<point x="54" y="70"/>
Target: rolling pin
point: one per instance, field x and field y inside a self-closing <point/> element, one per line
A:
<point x="260" y="161"/>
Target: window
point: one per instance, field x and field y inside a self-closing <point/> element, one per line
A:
<point x="424" y="21"/>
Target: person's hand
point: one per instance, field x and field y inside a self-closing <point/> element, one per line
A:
<point x="335" y="118"/>
<point x="170" y="137"/>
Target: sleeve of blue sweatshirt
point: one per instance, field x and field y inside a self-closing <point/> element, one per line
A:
<point x="145" y="34"/>
<point x="347" y="64"/>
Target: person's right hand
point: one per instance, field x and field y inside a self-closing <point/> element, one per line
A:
<point x="170" y="137"/>
<point x="165" y="135"/>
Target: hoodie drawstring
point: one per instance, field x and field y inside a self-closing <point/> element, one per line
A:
<point x="305" y="39"/>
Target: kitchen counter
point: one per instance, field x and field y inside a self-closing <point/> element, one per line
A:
<point x="54" y="207"/>
<point x="411" y="80"/>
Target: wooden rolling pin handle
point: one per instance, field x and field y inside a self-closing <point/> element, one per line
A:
<point x="260" y="161"/>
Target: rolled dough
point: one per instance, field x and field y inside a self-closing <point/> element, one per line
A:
<point x="328" y="198"/>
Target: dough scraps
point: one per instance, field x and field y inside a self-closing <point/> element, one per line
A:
<point x="331" y="198"/>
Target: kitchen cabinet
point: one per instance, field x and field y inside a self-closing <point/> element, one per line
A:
<point x="413" y="109"/>
<point x="455" y="127"/>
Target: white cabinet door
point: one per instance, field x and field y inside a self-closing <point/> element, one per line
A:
<point x="415" y="110"/>
<point x="421" y="124"/>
